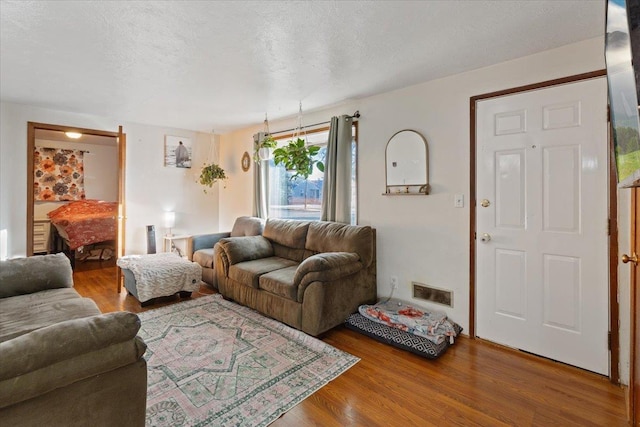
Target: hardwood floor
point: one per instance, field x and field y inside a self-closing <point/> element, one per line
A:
<point x="474" y="383"/>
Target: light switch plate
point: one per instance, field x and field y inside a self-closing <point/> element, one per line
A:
<point x="458" y="201"/>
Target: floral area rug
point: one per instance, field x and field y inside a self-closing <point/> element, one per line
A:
<point x="212" y="362"/>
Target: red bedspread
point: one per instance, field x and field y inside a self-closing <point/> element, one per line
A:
<point x="85" y="222"/>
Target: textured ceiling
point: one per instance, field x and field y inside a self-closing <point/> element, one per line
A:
<point x="221" y="65"/>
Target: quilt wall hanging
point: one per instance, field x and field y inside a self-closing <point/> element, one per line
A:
<point x="59" y="174"/>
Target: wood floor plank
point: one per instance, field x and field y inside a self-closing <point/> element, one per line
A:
<point x="474" y="383"/>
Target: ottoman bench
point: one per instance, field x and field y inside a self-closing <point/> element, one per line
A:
<point x="147" y="277"/>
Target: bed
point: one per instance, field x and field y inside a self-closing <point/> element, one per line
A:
<point x="82" y="223"/>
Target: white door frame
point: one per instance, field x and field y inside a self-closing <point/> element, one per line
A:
<point x="613" y="243"/>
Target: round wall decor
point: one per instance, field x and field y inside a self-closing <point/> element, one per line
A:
<point x="246" y="161"/>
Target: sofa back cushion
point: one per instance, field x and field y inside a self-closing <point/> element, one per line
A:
<point x="337" y="237"/>
<point x="22" y="314"/>
<point x="33" y="274"/>
<point x="247" y="226"/>
<point x="288" y="237"/>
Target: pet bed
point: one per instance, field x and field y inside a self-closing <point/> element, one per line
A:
<point x="398" y="335"/>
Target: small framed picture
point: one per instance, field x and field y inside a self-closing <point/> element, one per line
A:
<point x="177" y="151"/>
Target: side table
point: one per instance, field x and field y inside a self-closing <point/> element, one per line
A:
<point x="180" y="242"/>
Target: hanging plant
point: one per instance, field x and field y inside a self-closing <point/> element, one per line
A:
<point x="298" y="158"/>
<point x="264" y="148"/>
<point x="210" y="174"/>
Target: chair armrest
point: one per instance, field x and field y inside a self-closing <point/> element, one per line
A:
<point x="34" y="274"/>
<point x="325" y="267"/>
<point x="207" y="241"/>
<point x="67" y="352"/>
<point x="240" y="249"/>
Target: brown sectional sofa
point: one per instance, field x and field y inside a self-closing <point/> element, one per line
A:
<point x="62" y="362"/>
<point x="308" y="274"/>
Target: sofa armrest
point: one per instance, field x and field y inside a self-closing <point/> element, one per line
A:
<point x="207" y="241"/>
<point x="60" y="341"/>
<point x="66" y="352"/>
<point x="34" y="274"/>
<point x="325" y="267"/>
<point x="240" y="249"/>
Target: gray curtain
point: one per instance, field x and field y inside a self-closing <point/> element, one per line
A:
<point x="336" y="192"/>
<point x="260" y="182"/>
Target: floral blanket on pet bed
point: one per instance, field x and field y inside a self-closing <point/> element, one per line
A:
<point x="431" y="325"/>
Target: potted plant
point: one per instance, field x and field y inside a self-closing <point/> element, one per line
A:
<point x="264" y="147"/>
<point x="210" y="174"/>
<point x="297" y="157"/>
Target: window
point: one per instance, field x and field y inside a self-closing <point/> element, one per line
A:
<point x="299" y="198"/>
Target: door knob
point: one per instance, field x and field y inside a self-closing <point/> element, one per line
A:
<point x="633" y="258"/>
<point x="486" y="237"/>
<point x="485" y="203"/>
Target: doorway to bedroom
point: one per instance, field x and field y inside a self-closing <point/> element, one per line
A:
<point x="74" y="197"/>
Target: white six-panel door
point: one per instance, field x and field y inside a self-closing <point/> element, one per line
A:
<point x="541" y="246"/>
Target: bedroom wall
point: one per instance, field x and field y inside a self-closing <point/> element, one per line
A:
<point x="100" y="166"/>
<point x="150" y="189"/>
<point x="425" y="239"/>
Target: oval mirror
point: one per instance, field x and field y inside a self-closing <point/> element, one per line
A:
<point x="407" y="159"/>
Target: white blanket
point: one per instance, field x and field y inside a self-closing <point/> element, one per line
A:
<point x="162" y="274"/>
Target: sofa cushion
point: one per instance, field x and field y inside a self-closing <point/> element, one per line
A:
<point x="288" y="237"/>
<point x="241" y="249"/>
<point x="204" y="257"/>
<point x="337" y="237"/>
<point x="280" y="282"/>
<point x="248" y="273"/>
<point x="27" y="275"/>
<point x="247" y="226"/>
<point x="25" y="313"/>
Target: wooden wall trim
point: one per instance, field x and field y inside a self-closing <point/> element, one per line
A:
<point x="472" y="220"/>
<point x="122" y="212"/>
<point x="62" y="128"/>
<point x="541" y="85"/>
<point x="614" y="305"/>
<point x="31" y="141"/>
<point x="633" y="291"/>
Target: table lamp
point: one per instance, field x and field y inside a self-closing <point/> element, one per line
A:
<point x="169" y="221"/>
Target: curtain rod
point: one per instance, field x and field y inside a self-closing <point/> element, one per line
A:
<point x="355" y="115"/>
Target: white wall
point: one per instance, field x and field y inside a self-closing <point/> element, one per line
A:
<point x="153" y="188"/>
<point x="236" y="197"/>
<point x="423" y="239"/>
<point x="150" y="189"/>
